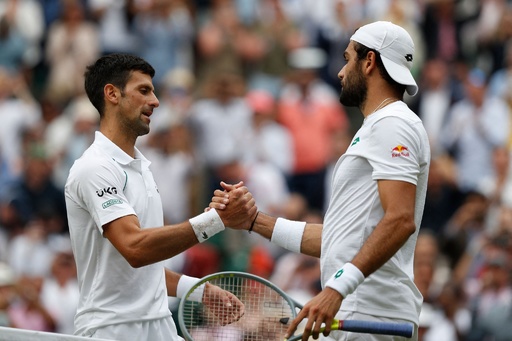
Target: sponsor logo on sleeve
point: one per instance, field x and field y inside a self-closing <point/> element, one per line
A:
<point x="400" y="151"/>
<point x="106" y="190"/>
<point x="111" y="202"/>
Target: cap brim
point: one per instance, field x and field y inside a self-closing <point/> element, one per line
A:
<point x="401" y="75"/>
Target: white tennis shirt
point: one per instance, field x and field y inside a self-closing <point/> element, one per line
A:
<point x="392" y="144"/>
<point x="103" y="185"/>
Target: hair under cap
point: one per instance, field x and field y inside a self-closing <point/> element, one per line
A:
<point x="396" y="49"/>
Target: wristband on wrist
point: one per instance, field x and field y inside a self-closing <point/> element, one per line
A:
<point x="206" y="225"/>
<point x="288" y="234"/>
<point x="346" y="279"/>
<point x="185" y="284"/>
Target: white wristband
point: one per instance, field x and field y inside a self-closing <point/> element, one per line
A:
<point x="288" y="234"/>
<point x="346" y="279"/>
<point x="206" y="225"/>
<point x="185" y="284"/>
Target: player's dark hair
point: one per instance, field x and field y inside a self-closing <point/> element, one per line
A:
<point x="362" y="51"/>
<point x="112" y="69"/>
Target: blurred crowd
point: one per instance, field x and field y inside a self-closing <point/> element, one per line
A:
<point x="248" y="91"/>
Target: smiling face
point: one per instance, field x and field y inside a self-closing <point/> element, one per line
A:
<point x="136" y="105"/>
<point x="353" y="82"/>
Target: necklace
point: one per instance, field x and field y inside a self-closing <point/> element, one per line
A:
<point x="382" y="104"/>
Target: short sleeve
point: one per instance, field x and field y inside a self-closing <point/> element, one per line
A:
<point x="101" y="190"/>
<point x="395" y="150"/>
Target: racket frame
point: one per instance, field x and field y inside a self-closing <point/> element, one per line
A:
<point x="231" y="274"/>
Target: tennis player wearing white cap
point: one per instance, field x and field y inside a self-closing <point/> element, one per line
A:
<point x="367" y="240"/>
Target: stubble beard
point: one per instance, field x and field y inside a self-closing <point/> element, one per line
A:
<point x="135" y="127"/>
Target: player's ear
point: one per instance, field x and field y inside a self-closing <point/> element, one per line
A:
<point x="111" y="93"/>
<point x="370" y="63"/>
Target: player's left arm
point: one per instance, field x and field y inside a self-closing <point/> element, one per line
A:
<point x="398" y="202"/>
<point x="171" y="280"/>
<point x="397" y="225"/>
<point x="225" y="305"/>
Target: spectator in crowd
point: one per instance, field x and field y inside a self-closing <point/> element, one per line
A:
<point x="72" y="44"/>
<point x="220" y="123"/>
<point x="115" y="23"/>
<point x="12" y="46"/>
<point x="27" y="311"/>
<point x="434" y="325"/>
<point x="165" y="32"/>
<point x="173" y="164"/>
<point x="492" y="30"/>
<point x="31" y="252"/>
<point x="344" y="17"/>
<point x="271" y="142"/>
<point x="7" y="282"/>
<point x="435" y="101"/>
<point x="279" y="35"/>
<point x="492" y="305"/>
<point x="59" y="292"/>
<point x="309" y="108"/>
<point x="477" y="127"/>
<point x="27" y="18"/>
<point x="224" y="42"/>
<point x="35" y="194"/>
<point x="68" y="135"/>
<point x="440" y="29"/>
<point x="15" y="97"/>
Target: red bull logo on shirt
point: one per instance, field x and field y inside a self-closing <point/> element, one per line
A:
<point x="399" y="151"/>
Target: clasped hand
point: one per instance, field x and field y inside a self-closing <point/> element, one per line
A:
<point x="235" y="205"/>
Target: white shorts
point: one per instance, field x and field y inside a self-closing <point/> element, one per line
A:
<point x="152" y="330"/>
<point x="340" y="335"/>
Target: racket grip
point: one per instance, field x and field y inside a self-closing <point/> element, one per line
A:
<point x="372" y="327"/>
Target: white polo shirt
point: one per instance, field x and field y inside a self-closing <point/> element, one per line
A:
<point x="391" y="145"/>
<point x="103" y="185"/>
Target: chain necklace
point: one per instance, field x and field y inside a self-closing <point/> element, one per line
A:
<point x="382" y="104"/>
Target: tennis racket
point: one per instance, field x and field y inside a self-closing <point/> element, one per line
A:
<point x="267" y="312"/>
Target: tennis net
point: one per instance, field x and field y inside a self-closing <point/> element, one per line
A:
<point x="13" y="334"/>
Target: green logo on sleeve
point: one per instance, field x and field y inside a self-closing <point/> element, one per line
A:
<point x="355" y="141"/>
<point x="339" y="273"/>
<point x="111" y="202"/>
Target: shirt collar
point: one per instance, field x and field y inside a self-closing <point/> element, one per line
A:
<point x="117" y="153"/>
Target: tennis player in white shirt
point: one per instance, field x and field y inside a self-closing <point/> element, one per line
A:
<point x="116" y="218"/>
<point x="367" y="240"/>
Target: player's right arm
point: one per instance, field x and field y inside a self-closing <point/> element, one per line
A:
<point x="143" y="246"/>
<point x="99" y="190"/>
<point x="311" y="239"/>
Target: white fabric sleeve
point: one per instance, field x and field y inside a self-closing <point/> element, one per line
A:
<point x="395" y="150"/>
<point x="101" y="189"/>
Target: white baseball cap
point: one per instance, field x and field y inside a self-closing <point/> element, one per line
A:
<point x="396" y="49"/>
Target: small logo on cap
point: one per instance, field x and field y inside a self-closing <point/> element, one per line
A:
<point x="408" y="57"/>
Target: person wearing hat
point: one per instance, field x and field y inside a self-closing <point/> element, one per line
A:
<point x="367" y="240"/>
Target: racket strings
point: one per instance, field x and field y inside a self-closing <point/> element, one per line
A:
<point x="264" y="311"/>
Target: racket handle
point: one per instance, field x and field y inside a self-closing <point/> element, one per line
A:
<point x="372" y="327"/>
<point x="368" y="327"/>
